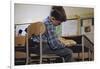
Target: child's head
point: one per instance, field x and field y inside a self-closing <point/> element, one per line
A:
<point x="58" y="15"/>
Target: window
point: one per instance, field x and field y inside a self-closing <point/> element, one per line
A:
<point x="70" y="27"/>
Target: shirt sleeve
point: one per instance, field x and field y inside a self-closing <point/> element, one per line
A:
<point x="53" y="41"/>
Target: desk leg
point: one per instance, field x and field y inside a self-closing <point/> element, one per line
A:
<point x="40" y="49"/>
<point x="27" y="50"/>
<point x="82" y="48"/>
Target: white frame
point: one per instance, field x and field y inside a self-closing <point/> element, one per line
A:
<point x="64" y="3"/>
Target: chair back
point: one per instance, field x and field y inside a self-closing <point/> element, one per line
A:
<point x="20" y="41"/>
<point x="36" y="28"/>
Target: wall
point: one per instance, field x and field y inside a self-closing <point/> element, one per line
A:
<point x="27" y="13"/>
<point x="80" y="12"/>
<point x="90" y="33"/>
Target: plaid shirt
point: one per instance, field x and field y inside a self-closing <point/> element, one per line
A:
<point x="50" y="36"/>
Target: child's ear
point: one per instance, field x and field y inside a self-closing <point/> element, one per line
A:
<point x="53" y="18"/>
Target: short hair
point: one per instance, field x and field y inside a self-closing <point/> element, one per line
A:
<point x="58" y="13"/>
